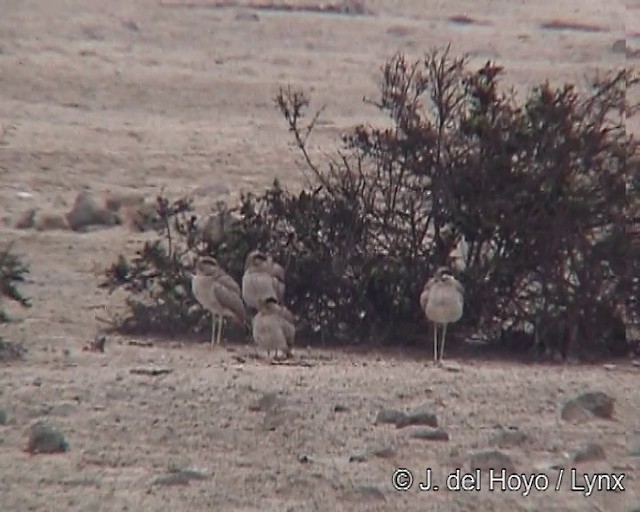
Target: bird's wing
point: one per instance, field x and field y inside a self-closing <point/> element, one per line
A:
<point x="224" y="279"/>
<point x="277" y="271"/>
<point x="424" y="296"/>
<point x="287" y="315"/>
<point x="230" y="299"/>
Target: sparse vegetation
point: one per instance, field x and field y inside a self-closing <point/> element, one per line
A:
<point x="13" y="271"/>
<point x="540" y="191"/>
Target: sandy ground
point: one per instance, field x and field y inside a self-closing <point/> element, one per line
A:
<point x="137" y="96"/>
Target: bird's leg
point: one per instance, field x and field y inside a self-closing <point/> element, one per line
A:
<point x="220" y="330"/>
<point x="214" y="319"/>
<point x="435" y="341"/>
<point x="444" y="338"/>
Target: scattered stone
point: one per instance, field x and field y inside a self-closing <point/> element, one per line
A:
<point x="86" y="212"/>
<point x="429" y="434"/>
<point x="304" y="459"/>
<point x="142" y="217"/>
<point x="273" y="419"/>
<point x="179" y="477"/>
<point x="547" y="465"/>
<point x="150" y="371"/>
<point x="246" y="16"/>
<point x="3" y="416"/>
<point x="358" y="457"/>
<point x="389" y="416"/>
<point x="587" y="405"/>
<point x="451" y="367"/>
<point x="340" y="408"/>
<point x="619" y="46"/>
<point x="11" y="351"/>
<point x="634" y="447"/>
<point x="116" y="201"/>
<point x="266" y="402"/>
<point x="384" y="452"/>
<point x="609" y="367"/>
<point x="491" y="459"/>
<point x="37" y="382"/>
<point x="509" y="438"/>
<point x="217" y="225"/>
<point x="588" y="453"/>
<point x="49" y="221"/>
<point x="138" y="343"/>
<point x="97" y="345"/>
<point x="61" y="410"/>
<point x="46" y="439"/>
<point x="26" y="220"/>
<point x="417" y="418"/>
<point x="364" y="493"/>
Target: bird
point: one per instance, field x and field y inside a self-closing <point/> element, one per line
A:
<point x="263" y="278"/>
<point x="442" y="300"/>
<point x="216" y="291"/>
<point x="274" y="327"/>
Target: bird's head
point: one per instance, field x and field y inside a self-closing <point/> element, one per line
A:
<point x="444" y="273"/>
<point x="206" y="266"/>
<point x="268" y="302"/>
<point x="255" y="259"/>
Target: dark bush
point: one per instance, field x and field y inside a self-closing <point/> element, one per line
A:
<point x="13" y="272"/>
<point x="540" y="192"/>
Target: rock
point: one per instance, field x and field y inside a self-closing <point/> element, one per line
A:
<point x="4" y="417"/>
<point x="62" y="410"/>
<point x="619" y="46"/>
<point x="429" y="434"/>
<point x="179" y="477"/>
<point x="44" y="438"/>
<point x="340" y="408"/>
<point x="634" y="447"/>
<point x="86" y="212"/>
<point x="389" y="416"/>
<point x="384" y="452"/>
<point x="304" y="458"/>
<point x="509" y="438"/>
<point x="266" y="402"/>
<point x="49" y="221"/>
<point x="26" y="220"/>
<point x="491" y="459"/>
<point x="588" y="453"/>
<point x="417" y="418"/>
<point x="217" y="225"/>
<point x="358" y="457"/>
<point x="587" y="405"/>
<point x="142" y="217"/>
<point x="364" y="493"/>
<point x="115" y="201"/>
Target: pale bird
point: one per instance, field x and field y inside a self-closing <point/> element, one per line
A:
<point x="216" y="291"/>
<point x="263" y="278"/>
<point x="274" y="327"/>
<point x="442" y="300"/>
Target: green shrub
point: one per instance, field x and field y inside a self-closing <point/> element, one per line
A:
<point x="539" y="190"/>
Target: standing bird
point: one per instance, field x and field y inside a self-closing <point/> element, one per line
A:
<point x="263" y="278"/>
<point x="442" y="301"/>
<point x="216" y="291"/>
<point x="274" y="327"/>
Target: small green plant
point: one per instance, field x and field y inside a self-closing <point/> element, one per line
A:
<point x="13" y="272"/>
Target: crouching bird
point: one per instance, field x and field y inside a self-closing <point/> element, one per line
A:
<point x="274" y="327"/>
